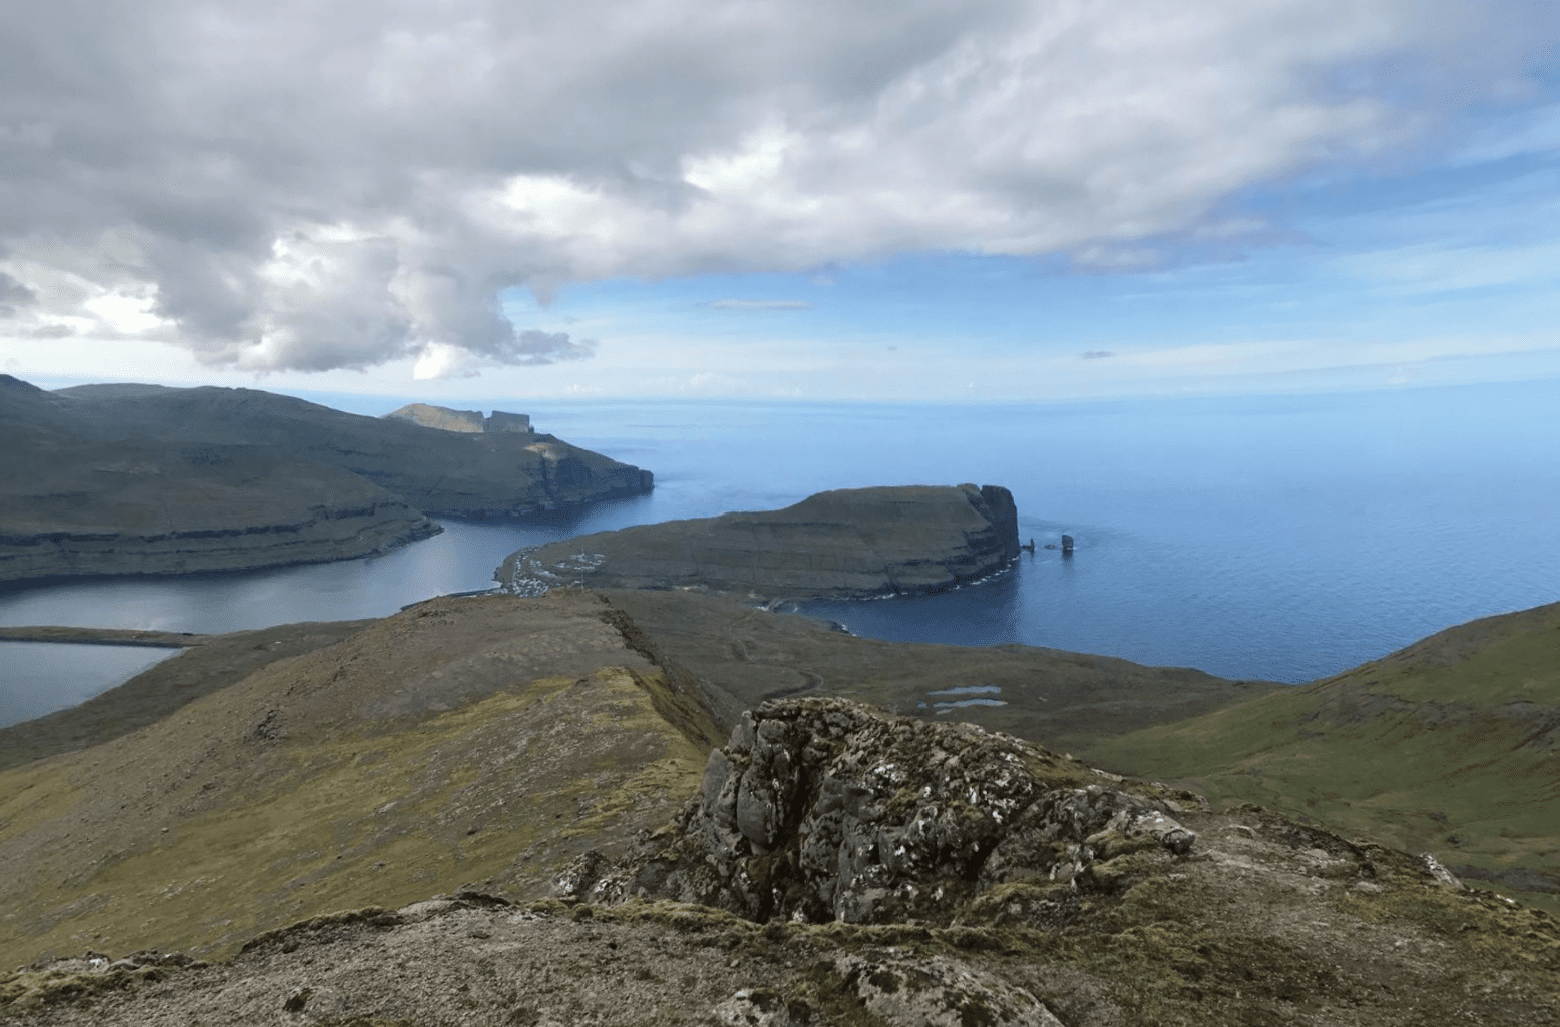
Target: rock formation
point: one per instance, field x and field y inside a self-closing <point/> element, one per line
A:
<point x="462" y="420"/>
<point x="824" y="810"/>
<point x="139" y="479"/>
<point x="442" y="418"/>
<point x="843" y="544"/>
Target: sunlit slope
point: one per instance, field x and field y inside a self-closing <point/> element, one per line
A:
<point x="1448" y="746"/>
<point x="459" y="742"/>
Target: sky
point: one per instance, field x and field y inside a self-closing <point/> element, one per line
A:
<point x="924" y="200"/>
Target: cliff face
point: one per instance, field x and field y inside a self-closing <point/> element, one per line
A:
<point x="139" y="479"/>
<point x="441" y="473"/>
<point x="847" y="543"/>
<point x="77" y="510"/>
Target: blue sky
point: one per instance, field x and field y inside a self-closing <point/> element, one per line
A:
<point x="1024" y="200"/>
<point x="1436" y="274"/>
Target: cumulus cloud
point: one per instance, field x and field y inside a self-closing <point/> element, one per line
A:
<point x="14" y="294"/>
<point x="313" y="186"/>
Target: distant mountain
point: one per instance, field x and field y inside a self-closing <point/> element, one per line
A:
<point x="1451" y="745"/>
<point x="143" y="479"/>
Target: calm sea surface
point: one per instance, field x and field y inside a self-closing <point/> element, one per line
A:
<point x="1284" y="538"/>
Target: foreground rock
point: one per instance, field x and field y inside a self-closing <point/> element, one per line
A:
<point x="823" y="809"/>
<point x="843" y="544"/>
<point x="140" y="479"/>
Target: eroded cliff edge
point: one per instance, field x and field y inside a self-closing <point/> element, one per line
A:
<point x="840" y="544"/>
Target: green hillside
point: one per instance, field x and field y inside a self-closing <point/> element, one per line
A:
<point x="1448" y="747"/>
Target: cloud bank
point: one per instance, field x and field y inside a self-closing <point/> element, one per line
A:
<point x="312" y="186"/>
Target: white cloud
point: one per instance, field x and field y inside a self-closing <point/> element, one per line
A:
<point x="304" y="186"/>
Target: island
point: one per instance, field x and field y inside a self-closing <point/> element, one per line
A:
<point x="841" y="544"/>
<point x="144" y="479"/>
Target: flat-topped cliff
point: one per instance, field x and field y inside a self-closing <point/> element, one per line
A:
<point x="841" y="544"/>
<point x="430" y="416"/>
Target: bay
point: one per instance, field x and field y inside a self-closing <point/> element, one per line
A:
<point x="1277" y="537"/>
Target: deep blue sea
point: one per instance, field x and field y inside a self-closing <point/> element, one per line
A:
<point x="1284" y="538"/>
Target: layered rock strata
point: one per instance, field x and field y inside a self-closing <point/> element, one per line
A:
<point x="826" y="810"/>
<point x="80" y="511"/>
<point x="842" y="544"/>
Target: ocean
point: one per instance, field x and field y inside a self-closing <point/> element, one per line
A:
<point x="1283" y="538"/>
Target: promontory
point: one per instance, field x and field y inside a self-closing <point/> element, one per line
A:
<point x="841" y="544"/>
<point x="143" y="479"/>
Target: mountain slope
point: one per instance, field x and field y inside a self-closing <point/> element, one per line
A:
<point x="455" y="742"/>
<point x="523" y="746"/>
<point x="1449" y="746"/>
<point x="458" y="474"/>
<point x="142" y="479"/>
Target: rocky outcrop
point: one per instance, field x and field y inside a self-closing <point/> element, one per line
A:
<point x="442" y="418"/>
<point x="139" y="479"/>
<point x="502" y="420"/>
<point x="826" y="810"/>
<point x="462" y="420"/>
<point x="843" y="544"/>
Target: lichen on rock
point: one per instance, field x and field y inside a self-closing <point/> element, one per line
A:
<point x="825" y="809"/>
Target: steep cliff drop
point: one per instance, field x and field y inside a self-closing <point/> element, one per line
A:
<point x="842" y="544"/>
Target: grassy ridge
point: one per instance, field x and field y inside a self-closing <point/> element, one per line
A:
<point x="1448" y="746"/>
<point x="417" y="756"/>
<point x="384" y="819"/>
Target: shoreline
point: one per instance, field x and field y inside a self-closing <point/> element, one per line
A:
<point x="103" y="636"/>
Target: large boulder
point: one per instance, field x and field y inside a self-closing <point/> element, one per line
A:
<point x="825" y="809"/>
<point x="842" y="544"/>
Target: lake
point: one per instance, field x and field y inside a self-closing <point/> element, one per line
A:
<point x="1283" y="538"/>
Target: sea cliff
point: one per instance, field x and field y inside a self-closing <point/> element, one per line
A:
<point x="140" y="479"/>
<point x="843" y="544"/>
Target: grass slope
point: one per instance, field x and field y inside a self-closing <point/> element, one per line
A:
<point x="478" y="742"/>
<point x="1448" y="746"/>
